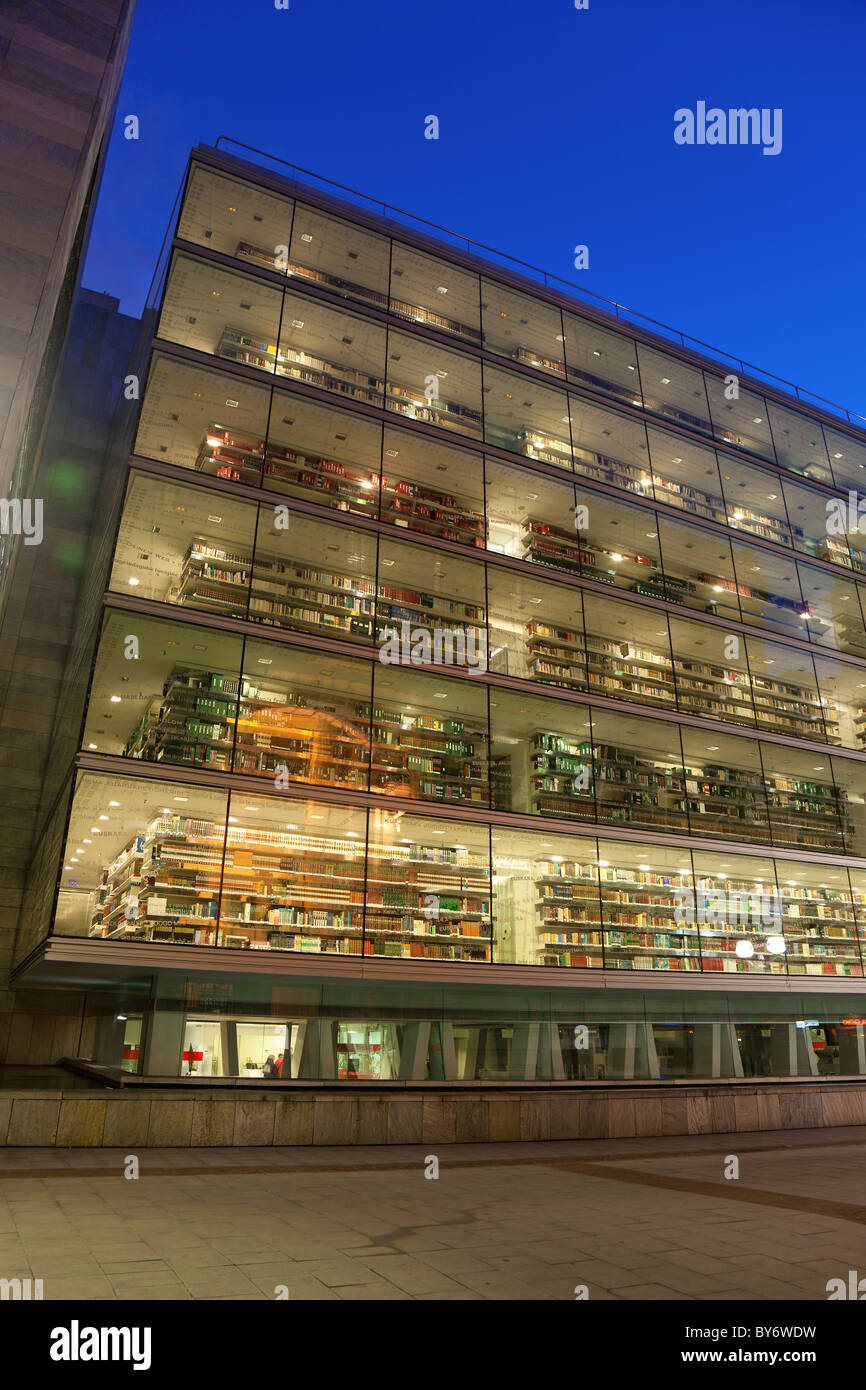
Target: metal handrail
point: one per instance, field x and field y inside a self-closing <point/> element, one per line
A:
<point x="620" y="311"/>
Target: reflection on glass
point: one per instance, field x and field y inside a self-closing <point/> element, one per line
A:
<point x="430" y="384"/>
<point x="313" y="576"/>
<point x="638" y="772"/>
<point x="541" y="756"/>
<point x="799" y="443"/>
<point x="686" y="475"/>
<point x="234" y="217"/>
<point x="536" y="629"/>
<point x="428" y="888"/>
<point x="739" y="914"/>
<point x="303" y="717"/>
<point x="532" y="517"/>
<point x="807" y="809"/>
<point x="725" y="793"/>
<point x="818" y="919"/>
<point x="674" y="389"/>
<point x="188" y="419"/>
<point x="546" y="901"/>
<point x="175" y="702"/>
<point x="429" y="737"/>
<point x="518" y="326"/>
<point x="601" y="360"/>
<point x="834" y="618"/>
<point x="143" y="861"/>
<point x="221" y="312"/>
<point x="769" y="589"/>
<point x="785" y="692"/>
<point x="807" y="511"/>
<point x="843" y="700"/>
<point x="431" y="487"/>
<point x="619" y="546"/>
<point x="342" y="257"/>
<point x="184" y="545"/>
<point x="435" y="293"/>
<point x="850" y="784"/>
<point x="648" y="915"/>
<point x="328" y="456"/>
<point x="525" y="417"/>
<point x="741" y="420"/>
<point x="711" y="672"/>
<point x="698" y="568"/>
<point x="628" y="652"/>
<point x="430" y="607"/>
<point x="755" y="502"/>
<point x="293" y="878"/>
<point x="847" y="459"/>
<point x="609" y="448"/>
<point x="333" y="350"/>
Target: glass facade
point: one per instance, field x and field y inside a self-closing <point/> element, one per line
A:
<point x="446" y="623"/>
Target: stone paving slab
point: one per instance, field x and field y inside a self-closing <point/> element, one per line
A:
<point x="511" y="1221"/>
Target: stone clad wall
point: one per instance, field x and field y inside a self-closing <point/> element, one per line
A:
<point x="214" y="1119"/>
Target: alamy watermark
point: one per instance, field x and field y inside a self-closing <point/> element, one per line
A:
<point x="737" y="126"/>
<point x="739" y="910"/>
<point x="442" y="646"/>
<point x="22" y="518"/>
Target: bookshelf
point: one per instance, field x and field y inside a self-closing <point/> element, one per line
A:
<point x="563" y="657"/>
<point x="568" y="914"/>
<point x="295" y="594"/>
<point x="413" y="506"/>
<point x="344" y="486"/>
<point x="634" y="478"/>
<point x="234" y="457"/>
<point x="403" y="309"/>
<point x="205" y="883"/>
<point x="628" y="788"/>
<point x="194" y="721"/>
<point x="205" y="717"/>
<point x="820" y="932"/>
<point x="236" y="345"/>
<point x="641" y="931"/>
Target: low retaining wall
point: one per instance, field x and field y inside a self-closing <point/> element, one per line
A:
<point x="157" y="1119"/>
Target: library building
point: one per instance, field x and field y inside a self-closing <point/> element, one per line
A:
<point x="471" y="683"/>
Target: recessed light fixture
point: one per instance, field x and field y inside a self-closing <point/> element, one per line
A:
<point x="305" y="236"/>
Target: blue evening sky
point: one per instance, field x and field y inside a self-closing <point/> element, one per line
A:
<point x="556" y="128"/>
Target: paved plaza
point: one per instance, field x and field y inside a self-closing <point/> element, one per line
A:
<point x="628" y="1218"/>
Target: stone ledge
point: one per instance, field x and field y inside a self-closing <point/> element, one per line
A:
<point x="217" y="1119"/>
